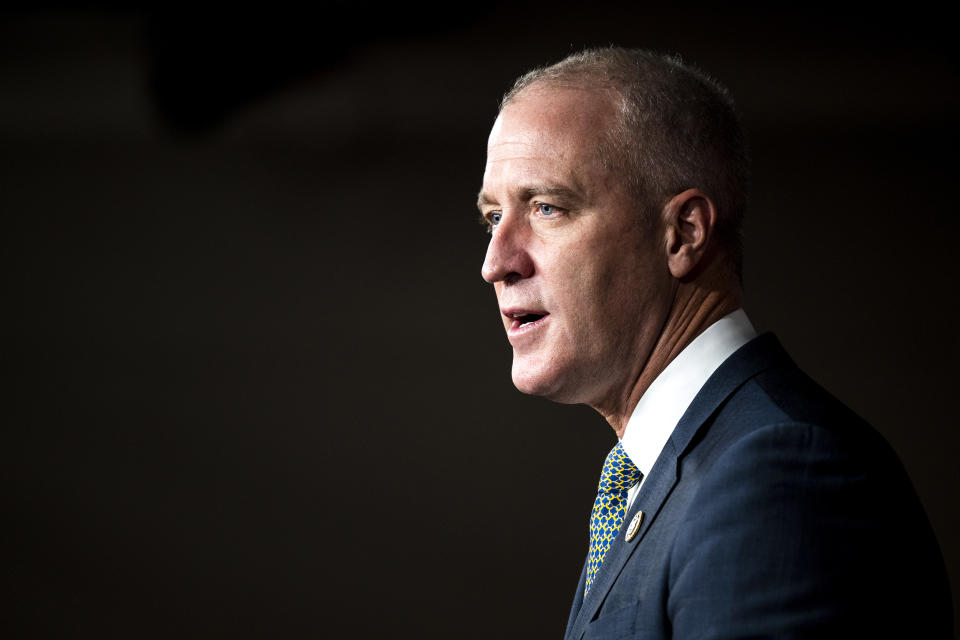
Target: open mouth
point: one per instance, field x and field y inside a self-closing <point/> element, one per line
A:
<point x="527" y="318"/>
<point x="523" y="319"/>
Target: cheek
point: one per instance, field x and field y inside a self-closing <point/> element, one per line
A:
<point x="572" y="281"/>
<point x="616" y="291"/>
<point x="595" y="272"/>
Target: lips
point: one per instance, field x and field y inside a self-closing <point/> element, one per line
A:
<point x="524" y="319"/>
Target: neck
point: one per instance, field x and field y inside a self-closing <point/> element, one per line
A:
<point x="695" y="307"/>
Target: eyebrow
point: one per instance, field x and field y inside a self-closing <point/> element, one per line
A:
<point x="570" y="197"/>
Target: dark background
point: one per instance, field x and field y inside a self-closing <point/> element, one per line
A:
<point x="259" y="388"/>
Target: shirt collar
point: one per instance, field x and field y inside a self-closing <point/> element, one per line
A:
<point x="665" y="401"/>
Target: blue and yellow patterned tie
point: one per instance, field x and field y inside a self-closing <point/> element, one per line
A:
<point x="619" y="474"/>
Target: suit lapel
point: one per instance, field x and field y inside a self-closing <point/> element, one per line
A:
<point x="577" y="600"/>
<point x="748" y="361"/>
<point x="652" y="495"/>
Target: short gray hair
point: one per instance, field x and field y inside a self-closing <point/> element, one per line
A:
<point x="676" y="129"/>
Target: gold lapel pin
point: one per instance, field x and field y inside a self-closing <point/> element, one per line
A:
<point x="634" y="526"/>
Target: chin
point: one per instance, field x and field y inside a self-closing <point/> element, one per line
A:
<point x="543" y="381"/>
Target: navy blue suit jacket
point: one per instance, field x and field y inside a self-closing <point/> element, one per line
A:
<point x="773" y="511"/>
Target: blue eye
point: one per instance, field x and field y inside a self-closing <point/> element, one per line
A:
<point x="546" y="209"/>
<point x="491" y="220"/>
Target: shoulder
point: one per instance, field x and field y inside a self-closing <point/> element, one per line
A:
<point x="789" y="453"/>
<point x="795" y="524"/>
<point x="791" y="514"/>
<point x="779" y="410"/>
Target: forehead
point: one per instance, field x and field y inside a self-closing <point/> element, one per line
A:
<point x="548" y="115"/>
<point x="549" y="133"/>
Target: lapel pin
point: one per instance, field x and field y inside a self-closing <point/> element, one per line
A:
<point x="634" y="526"/>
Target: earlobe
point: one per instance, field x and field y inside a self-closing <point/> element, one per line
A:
<point x="690" y="218"/>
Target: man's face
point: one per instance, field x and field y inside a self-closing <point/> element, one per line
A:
<point x="583" y="285"/>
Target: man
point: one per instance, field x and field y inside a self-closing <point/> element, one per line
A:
<point x="742" y="500"/>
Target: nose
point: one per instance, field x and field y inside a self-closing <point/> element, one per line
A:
<point x="508" y="258"/>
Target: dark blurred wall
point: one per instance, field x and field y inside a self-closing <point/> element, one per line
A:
<point x="259" y="388"/>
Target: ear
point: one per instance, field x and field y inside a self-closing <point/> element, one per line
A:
<point x="690" y="218"/>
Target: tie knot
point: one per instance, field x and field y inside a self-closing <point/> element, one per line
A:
<point x="619" y="472"/>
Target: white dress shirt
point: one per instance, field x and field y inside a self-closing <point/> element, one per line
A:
<point x="666" y="400"/>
